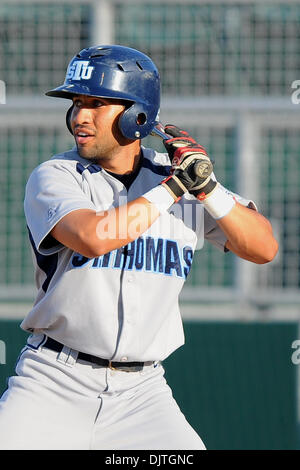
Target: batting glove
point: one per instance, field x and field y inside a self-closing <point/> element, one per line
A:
<point x="191" y="167"/>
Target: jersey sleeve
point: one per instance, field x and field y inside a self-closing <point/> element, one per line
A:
<point x="212" y="231"/>
<point x="52" y="191"/>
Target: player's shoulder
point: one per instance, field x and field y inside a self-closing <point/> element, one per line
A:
<point x="66" y="161"/>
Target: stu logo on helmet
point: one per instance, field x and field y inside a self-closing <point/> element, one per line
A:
<point x="80" y="70"/>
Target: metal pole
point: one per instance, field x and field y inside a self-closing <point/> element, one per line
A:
<point x="247" y="186"/>
<point x="103" y="22"/>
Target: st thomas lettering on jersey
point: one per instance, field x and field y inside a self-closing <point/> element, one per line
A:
<point x="156" y="255"/>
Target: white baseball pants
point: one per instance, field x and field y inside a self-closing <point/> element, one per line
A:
<point x="57" y="402"/>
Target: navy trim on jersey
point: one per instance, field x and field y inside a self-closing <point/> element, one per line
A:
<point x="157" y="169"/>
<point x="145" y="163"/>
<point x="93" y="168"/>
<point x="48" y="263"/>
<point x="80" y="168"/>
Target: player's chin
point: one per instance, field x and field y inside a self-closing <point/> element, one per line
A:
<point x="86" y="152"/>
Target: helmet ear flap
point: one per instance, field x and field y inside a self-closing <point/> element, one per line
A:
<point x="135" y="123"/>
<point x="68" y="118"/>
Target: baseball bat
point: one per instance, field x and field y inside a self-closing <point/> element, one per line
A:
<point x="201" y="169"/>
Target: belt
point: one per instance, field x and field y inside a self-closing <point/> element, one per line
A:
<point x="56" y="346"/>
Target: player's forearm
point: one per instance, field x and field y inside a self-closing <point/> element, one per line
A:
<point x="94" y="234"/>
<point x="249" y="235"/>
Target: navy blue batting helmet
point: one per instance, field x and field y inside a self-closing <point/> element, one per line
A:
<point x="116" y="72"/>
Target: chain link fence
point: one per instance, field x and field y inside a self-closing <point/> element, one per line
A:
<point x="226" y="69"/>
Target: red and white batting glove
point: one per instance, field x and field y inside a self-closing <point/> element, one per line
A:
<point x="191" y="167"/>
<point x="192" y="171"/>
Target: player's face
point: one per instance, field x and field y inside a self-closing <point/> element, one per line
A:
<point x="94" y="123"/>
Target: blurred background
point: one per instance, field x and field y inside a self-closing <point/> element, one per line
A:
<point x="227" y="71"/>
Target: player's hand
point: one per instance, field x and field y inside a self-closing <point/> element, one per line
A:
<point x="191" y="167"/>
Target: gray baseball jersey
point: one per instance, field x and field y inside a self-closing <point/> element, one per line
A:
<point x="122" y="305"/>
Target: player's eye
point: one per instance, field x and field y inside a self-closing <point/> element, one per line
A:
<point x="95" y="103"/>
<point x="98" y="103"/>
<point x="77" y="103"/>
<point x="92" y="104"/>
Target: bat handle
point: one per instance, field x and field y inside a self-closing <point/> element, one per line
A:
<point x="202" y="169"/>
<point x="158" y="131"/>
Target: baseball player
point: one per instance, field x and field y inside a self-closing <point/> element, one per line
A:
<point x="113" y="227"/>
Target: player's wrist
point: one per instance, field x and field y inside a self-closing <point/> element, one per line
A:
<point x="174" y="186"/>
<point x="160" y="197"/>
<point x="205" y="189"/>
<point x="218" y="202"/>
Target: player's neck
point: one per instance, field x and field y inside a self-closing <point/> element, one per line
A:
<point x="126" y="161"/>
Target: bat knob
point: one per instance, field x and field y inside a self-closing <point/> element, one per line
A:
<point x="203" y="168"/>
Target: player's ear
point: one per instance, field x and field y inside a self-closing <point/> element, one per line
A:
<point x="68" y="118"/>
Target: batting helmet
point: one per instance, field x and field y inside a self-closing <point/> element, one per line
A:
<point x="116" y="72"/>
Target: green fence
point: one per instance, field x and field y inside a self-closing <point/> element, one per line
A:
<point x="235" y="382"/>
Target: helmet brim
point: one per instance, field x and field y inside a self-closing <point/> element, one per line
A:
<point x="68" y="91"/>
